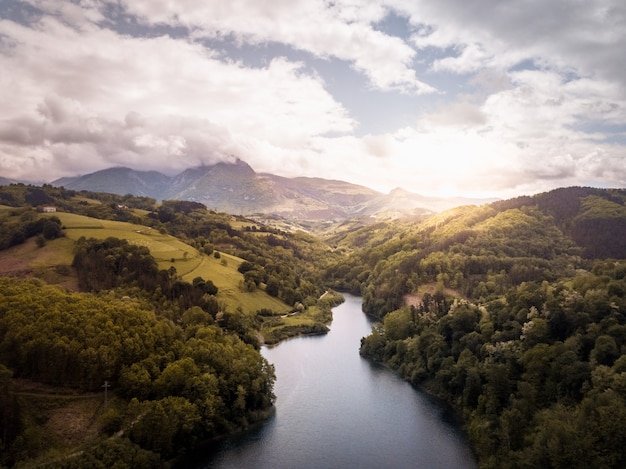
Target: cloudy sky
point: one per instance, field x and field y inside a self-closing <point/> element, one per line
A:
<point x="440" y="97"/>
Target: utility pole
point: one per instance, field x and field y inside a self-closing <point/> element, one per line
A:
<point x="106" y="386"/>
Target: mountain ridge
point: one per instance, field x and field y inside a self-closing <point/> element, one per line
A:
<point x="238" y="189"/>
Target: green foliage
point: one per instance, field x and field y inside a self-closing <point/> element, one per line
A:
<point x="114" y="263"/>
<point x="16" y="230"/>
<point x="10" y="418"/>
<point x="481" y="252"/>
<point x="539" y="376"/>
<point x="185" y="382"/>
<point x="119" y="453"/>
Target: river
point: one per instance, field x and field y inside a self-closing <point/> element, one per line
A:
<point x="335" y="409"/>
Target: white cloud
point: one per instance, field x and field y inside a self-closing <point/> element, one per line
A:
<point x="341" y="29"/>
<point x="586" y="37"/>
<point x="461" y="114"/>
<point x="521" y="139"/>
<point x="530" y="96"/>
<point x="96" y="96"/>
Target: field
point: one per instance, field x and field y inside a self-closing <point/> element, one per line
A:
<point x="224" y="274"/>
<point x="167" y="250"/>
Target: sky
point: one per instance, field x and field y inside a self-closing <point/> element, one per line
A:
<point x="476" y="98"/>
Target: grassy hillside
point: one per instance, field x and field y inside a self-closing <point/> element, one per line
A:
<point x="180" y="235"/>
<point x="163" y="247"/>
<point x="224" y="274"/>
<point x="166" y="249"/>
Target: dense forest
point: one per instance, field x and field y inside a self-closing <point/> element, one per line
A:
<point x="481" y="251"/>
<point x="180" y="383"/>
<point x="513" y="313"/>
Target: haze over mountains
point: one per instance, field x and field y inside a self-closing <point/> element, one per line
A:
<point x="236" y="188"/>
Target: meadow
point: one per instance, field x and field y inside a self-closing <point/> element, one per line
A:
<point x="168" y="252"/>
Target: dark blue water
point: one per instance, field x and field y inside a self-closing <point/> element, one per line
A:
<point x="337" y="410"/>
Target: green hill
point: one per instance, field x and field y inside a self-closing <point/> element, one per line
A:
<point x="514" y="313"/>
<point x="178" y="234"/>
<point x="482" y="250"/>
<point x="166" y="249"/>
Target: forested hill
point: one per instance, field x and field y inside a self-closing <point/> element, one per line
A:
<point x="481" y="251"/>
<point x="594" y="218"/>
<point x="514" y="313"/>
<point x="165" y="304"/>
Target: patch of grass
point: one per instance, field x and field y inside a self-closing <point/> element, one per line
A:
<point x="312" y="321"/>
<point x="59" y="251"/>
<point x="29" y="256"/>
<point x="188" y="262"/>
<point x="72" y="221"/>
<point x="224" y="274"/>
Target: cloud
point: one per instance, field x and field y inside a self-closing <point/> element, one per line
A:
<point x="585" y="37"/>
<point x="462" y="114"/>
<point x="342" y="29"/>
<point x="482" y="97"/>
<point x="522" y="138"/>
<point x="89" y="93"/>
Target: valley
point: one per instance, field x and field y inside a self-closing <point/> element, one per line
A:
<point x="484" y="306"/>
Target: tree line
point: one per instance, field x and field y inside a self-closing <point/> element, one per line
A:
<point x="114" y="263"/>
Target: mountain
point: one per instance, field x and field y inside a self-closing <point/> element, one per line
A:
<point x="236" y="188"/>
<point x="318" y="198"/>
<point x="228" y="187"/>
<point x="120" y="181"/>
<point x="5" y="181"/>
<point x="402" y="202"/>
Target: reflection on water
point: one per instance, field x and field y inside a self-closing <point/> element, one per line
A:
<point x="337" y="410"/>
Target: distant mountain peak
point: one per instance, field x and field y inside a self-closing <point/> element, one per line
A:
<point x="238" y="165"/>
<point x="233" y="186"/>
<point x="399" y="192"/>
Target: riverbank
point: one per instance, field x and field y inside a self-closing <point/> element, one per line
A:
<point x="303" y="321"/>
<point x="198" y="454"/>
<point x="335" y="409"/>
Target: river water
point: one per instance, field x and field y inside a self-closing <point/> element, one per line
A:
<point x="335" y="409"/>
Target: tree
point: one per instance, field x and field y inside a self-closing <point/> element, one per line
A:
<point x="52" y="228"/>
<point x="605" y="351"/>
<point x="10" y="415"/>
